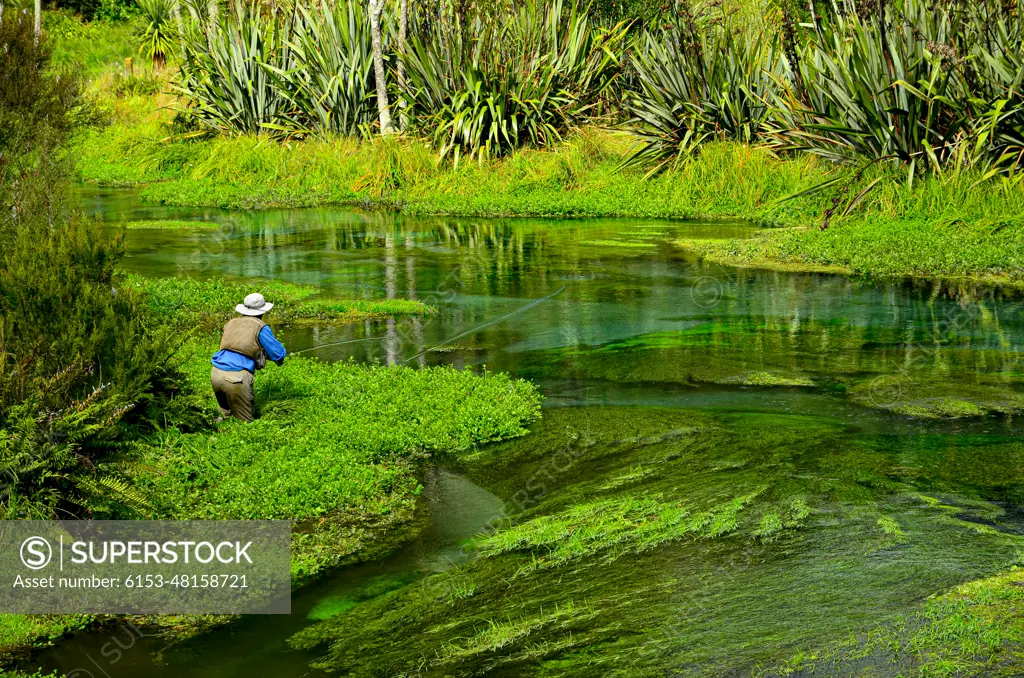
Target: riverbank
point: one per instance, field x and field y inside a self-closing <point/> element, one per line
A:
<point x="947" y="226"/>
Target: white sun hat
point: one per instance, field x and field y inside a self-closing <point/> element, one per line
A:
<point x="254" y="304"/>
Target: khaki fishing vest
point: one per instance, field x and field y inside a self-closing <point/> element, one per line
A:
<point x="241" y="335"/>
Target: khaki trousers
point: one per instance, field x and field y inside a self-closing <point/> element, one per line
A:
<point x="234" y="393"/>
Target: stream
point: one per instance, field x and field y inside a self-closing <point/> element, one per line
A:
<point x="733" y="465"/>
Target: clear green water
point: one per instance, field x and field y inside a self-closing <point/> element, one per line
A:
<point x="732" y="465"/>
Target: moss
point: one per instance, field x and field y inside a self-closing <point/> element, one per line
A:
<point x="174" y="224"/>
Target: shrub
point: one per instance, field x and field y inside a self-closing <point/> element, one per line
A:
<point x="334" y="89"/>
<point x="76" y="350"/>
<point x="104" y="10"/>
<point x="483" y="84"/>
<point x="309" y="70"/>
<point x="229" y="72"/>
<point x="38" y="111"/>
<point x="159" y="34"/>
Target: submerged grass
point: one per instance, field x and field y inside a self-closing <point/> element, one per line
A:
<point x="974" y="629"/>
<point x="699" y="555"/>
<point x="612" y="528"/>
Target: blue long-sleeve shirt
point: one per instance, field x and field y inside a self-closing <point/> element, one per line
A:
<point x="229" y="361"/>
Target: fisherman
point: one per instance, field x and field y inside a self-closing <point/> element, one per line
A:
<point x="245" y="346"/>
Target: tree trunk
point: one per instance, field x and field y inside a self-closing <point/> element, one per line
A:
<point x="181" y="26"/>
<point x="403" y="46"/>
<point x="383" y="107"/>
<point x="39" y="18"/>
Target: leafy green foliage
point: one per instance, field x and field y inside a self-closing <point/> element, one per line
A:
<point x="89" y="48"/>
<point x="18" y="631"/>
<point x="699" y="83"/>
<point x="333" y="87"/>
<point x="175" y="224"/>
<point x="127" y="84"/>
<point x="103" y="10"/>
<point x="929" y="87"/>
<point x="325" y="309"/>
<point x="38" y="112"/>
<point x="210" y="303"/>
<point x="610" y="12"/>
<point x="228" y="72"/>
<point x="486" y="85"/>
<point x="943" y="247"/>
<point x="482" y="84"/>
<point x="295" y="72"/>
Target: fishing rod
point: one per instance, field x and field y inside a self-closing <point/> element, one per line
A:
<point x="340" y="343"/>
<point x="474" y="330"/>
<point x="521" y="309"/>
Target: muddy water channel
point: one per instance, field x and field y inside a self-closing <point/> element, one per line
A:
<point x="732" y="466"/>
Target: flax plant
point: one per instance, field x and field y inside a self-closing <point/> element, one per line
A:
<point x="696" y="85"/>
<point x="230" y="74"/>
<point x="334" y="88"/>
<point x="926" y="87"/>
<point x="484" y="86"/>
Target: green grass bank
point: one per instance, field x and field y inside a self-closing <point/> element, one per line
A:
<point x="949" y="226"/>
